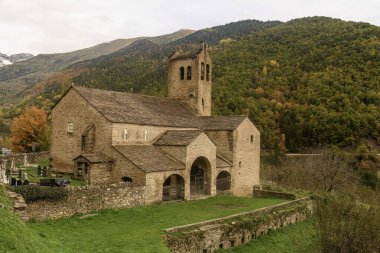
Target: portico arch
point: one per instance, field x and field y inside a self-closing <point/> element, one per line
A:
<point x="200" y="181"/>
<point x="173" y="188"/>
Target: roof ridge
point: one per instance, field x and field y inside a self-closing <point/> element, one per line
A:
<point x="125" y="92"/>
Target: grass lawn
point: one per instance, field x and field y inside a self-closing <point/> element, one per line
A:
<point x="137" y="229"/>
<point x="296" y="238"/>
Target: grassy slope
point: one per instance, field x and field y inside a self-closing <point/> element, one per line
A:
<point x="15" y="236"/>
<point x="137" y="229"/>
<point x="296" y="238"/>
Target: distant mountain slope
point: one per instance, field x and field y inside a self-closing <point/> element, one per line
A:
<point x="18" y="76"/>
<point x="121" y="70"/>
<point x="8" y="60"/>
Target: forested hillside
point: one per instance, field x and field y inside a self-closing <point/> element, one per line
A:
<point x="304" y="83"/>
<point x="315" y="80"/>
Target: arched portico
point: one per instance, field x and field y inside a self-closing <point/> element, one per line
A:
<point x="173" y="188"/>
<point x="200" y="177"/>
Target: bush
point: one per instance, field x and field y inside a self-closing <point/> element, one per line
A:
<point x="347" y="225"/>
<point x="33" y="193"/>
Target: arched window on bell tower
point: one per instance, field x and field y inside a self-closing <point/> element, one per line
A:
<point x="202" y="71"/>
<point x="182" y="73"/>
<point x="188" y="72"/>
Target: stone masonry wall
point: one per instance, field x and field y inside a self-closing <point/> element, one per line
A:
<point x="246" y="172"/>
<point x="85" y="199"/>
<point x="234" y="230"/>
<point x="66" y="146"/>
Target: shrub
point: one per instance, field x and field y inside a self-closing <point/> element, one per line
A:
<point x="33" y="193"/>
<point x="347" y="225"/>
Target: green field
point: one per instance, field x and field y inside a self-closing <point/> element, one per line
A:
<point x="136" y="229"/>
<point x="296" y="238"/>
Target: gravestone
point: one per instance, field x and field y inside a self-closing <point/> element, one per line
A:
<point x="39" y="171"/>
<point x="44" y="172"/>
<point x="26" y="160"/>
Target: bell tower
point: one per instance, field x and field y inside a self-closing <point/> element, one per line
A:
<point x="189" y="79"/>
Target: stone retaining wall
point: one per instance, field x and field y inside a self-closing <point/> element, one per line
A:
<point x="234" y="230"/>
<point x="86" y="199"/>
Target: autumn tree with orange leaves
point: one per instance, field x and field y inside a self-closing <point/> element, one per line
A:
<point x="28" y="130"/>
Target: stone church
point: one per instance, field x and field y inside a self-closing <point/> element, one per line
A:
<point x="172" y="145"/>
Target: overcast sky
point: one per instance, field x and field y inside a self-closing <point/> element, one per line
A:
<point x="47" y="26"/>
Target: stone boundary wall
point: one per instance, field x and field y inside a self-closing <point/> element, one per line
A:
<point x="86" y="199"/>
<point x="272" y="194"/>
<point x="19" y="158"/>
<point x="234" y="230"/>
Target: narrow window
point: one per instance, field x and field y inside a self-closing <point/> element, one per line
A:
<point x="188" y="73"/>
<point x="240" y="164"/>
<point x="203" y="104"/>
<point x="207" y="72"/>
<point x="125" y="134"/>
<point x="182" y="73"/>
<point x="252" y="138"/>
<point x="70" y="128"/>
<point x="202" y="71"/>
<point x="146" y="134"/>
<point x="84" y="143"/>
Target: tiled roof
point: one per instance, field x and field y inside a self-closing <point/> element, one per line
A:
<point x="94" y="158"/>
<point x="177" y="137"/>
<point x="122" y="107"/>
<point x="149" y="158"/>
<point x="220" y="122"/>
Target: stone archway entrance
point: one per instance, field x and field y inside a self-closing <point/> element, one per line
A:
<point x="223" y="181"/>
<point x="199" y="177"/>
<point x="173" y="188"/>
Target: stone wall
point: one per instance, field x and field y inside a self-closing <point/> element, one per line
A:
<point x="234" y="230"/>
<point x="65" y="145"/>
<point x="246" y="172"/>
<point x="85" y="199"/>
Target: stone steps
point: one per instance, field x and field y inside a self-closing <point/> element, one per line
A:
<point x="19" y="204"/>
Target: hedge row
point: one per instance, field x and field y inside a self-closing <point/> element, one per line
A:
<point x="33" y="193"/>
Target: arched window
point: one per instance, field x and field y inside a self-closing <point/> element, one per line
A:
<point x="182" y="73"/>
<point x="188" y="73"/>
<point x="207" y="72"/>
<point x="223" y="181"/>
<point x="202" y="71"/>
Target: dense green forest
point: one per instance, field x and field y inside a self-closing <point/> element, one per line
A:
<point x="305" y="83"/>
